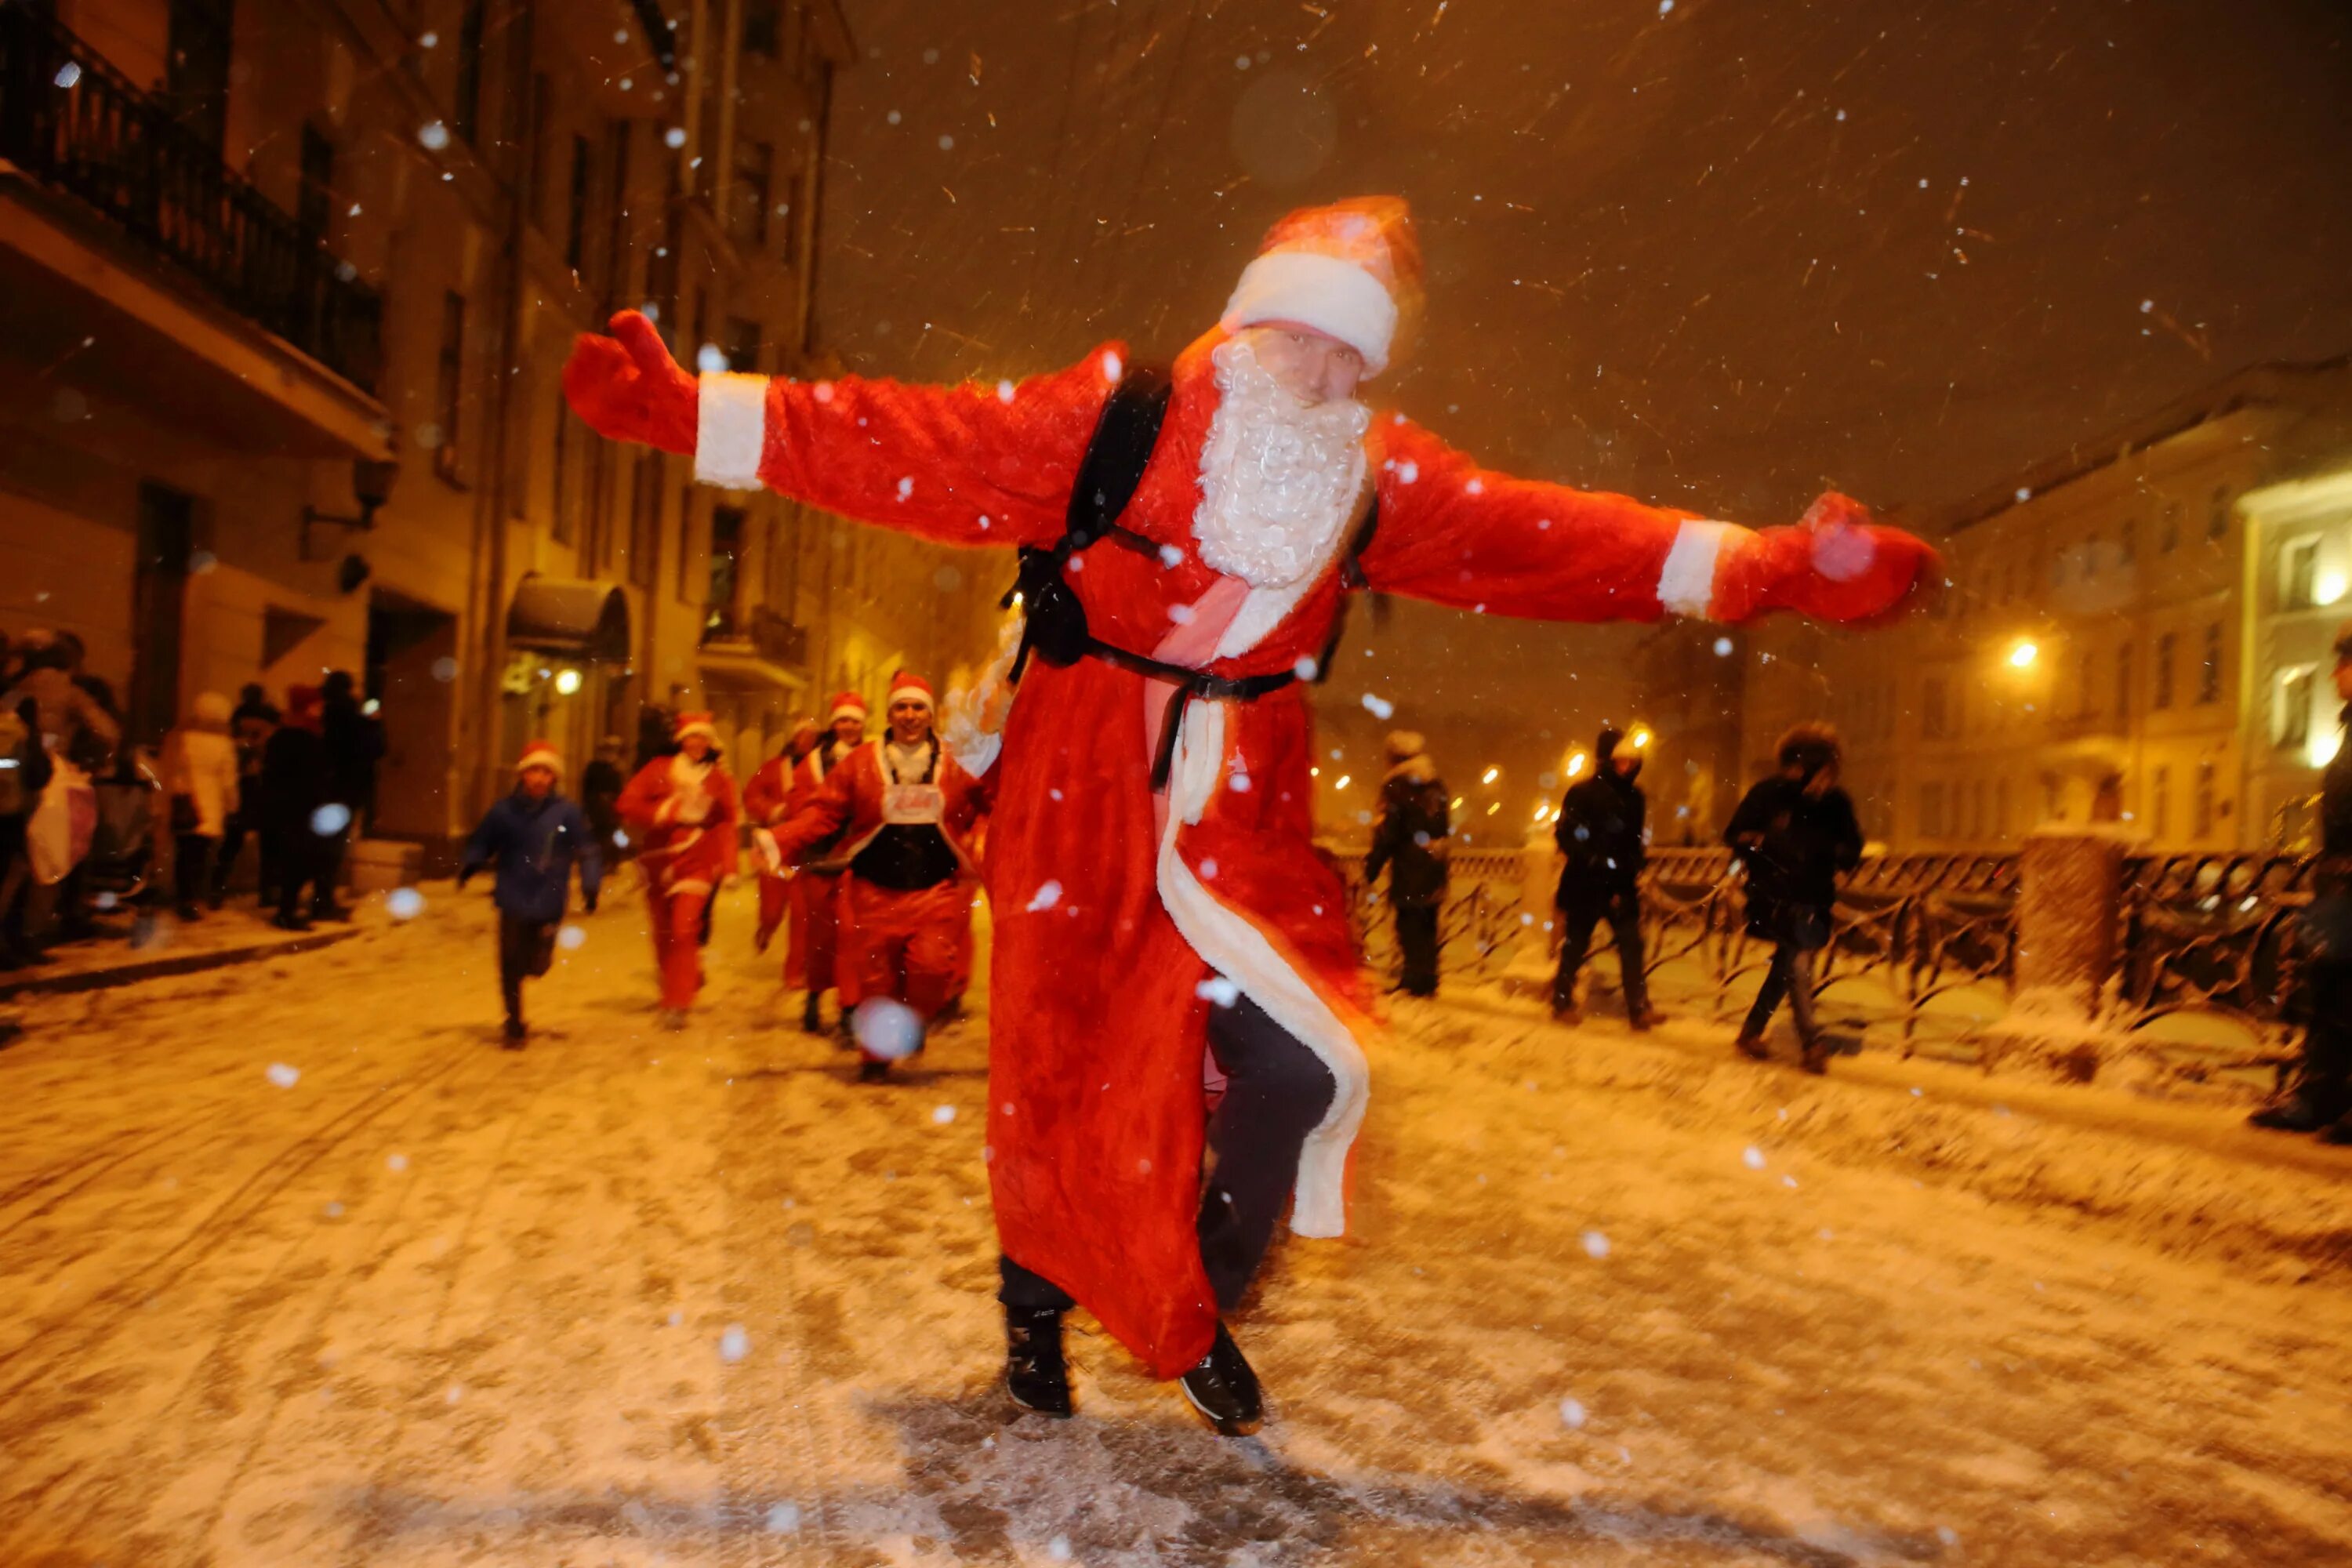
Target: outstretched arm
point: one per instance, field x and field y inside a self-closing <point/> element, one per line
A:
<point x="956" y="465"/>
<point x="1457" y="534"/>
<point x="826" y="813"/>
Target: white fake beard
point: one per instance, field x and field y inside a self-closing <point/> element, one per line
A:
<point x="1278" y="481"/>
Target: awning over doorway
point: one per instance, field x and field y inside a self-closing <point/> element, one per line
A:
<point x="584" y="618"/>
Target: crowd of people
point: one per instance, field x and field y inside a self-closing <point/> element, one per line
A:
<point x="92" y="821"/>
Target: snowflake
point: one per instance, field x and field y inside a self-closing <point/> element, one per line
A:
<point x="1046" y="896"/>
<point x="570" y="936"/>
<point x="433" y="134"/>
<point x="1003" y="392"/>
<point x="1112" y="367"/>
<point x="674" y="137"/>
<point x="1752" y="1157"/>
<point x="1170" y="555"/>
<point x="710" y="359"/>
<point x="1378" y="708"/>
<point x="1218" y="989"/>
<point x="734" y="1344"/>
<point x="783" y="1519"/>
<point x="283" y="1076"/>
<point x="1572" y="1414"/>
<point x="943" y="1114"/>
<point x="1305" y="668"/>
<point x="1595" y="1244"/>
<point x="403" y="903"/>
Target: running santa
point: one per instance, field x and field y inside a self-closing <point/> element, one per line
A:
<point x="682" y="811"/>
<point x="807" y="892"/>
<point x="898" y="813"/>
<point x="1151" y="868"/>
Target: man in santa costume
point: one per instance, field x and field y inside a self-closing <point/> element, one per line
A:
<point x="1151" y="868"/>
<point x="764" y="794"/>
<point x="682" y="810"/>
<point x="810" y="888"/>
<point x="899" y="813"/>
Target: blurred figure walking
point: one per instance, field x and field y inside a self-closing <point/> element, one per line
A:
<point x="1414" y="841"/>
<point x="201" y="774"/>
<point x="681" y="811"/>
<point x="1795" y="834"/>
<point x="1604" y="830"/>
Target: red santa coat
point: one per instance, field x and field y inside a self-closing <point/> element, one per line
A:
<point x="850" y="801"/>
<point x="1113" y="909"/>
<point x="684" y="831"/>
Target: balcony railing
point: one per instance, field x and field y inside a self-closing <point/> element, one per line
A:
<point x="72" y="121"/>
<point x="762" y="633"/>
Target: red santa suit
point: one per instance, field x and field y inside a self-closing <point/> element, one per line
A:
<point x="764" y="794"/>
<point x="1120" y="914"/>
<point x="683" y="814"/>
<point x="903" y="817"/>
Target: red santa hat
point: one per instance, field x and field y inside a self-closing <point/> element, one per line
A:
<point x="906" y="686"/>
<point x="696" y="723"/>
<point x="846" y="705"/>
<point x="1351" y="271"/>
<point x="541" y="755"/>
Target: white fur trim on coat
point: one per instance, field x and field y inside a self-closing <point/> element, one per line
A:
<point x="1336" y="298"/>
<point x="730" y="430"/>
<point x="1686" y="582"/>
<point x="1236" y="949"/>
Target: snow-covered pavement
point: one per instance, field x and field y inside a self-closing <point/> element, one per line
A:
<point x="637" y="1297"/>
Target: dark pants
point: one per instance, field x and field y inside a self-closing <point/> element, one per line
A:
<point x="192" y="855"/>
<point x="1276" y="1092"/>
<point x="1622" y="910"/>
<point x="1416" y="929"/>
<point x="2326" y="1070"/>
<point x="1790" y="975"/>
<point x="525" y="949"/>
<point x="232" y="845"/>
<point x="305" y="857"/>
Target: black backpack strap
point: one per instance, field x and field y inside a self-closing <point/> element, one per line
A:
<point x="1117" y="455"/>
<point x="1125" y="433"/>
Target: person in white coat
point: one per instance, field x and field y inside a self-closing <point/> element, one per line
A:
<point x="200" y="769"/>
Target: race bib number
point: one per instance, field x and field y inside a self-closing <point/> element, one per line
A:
<point x="906" y="805"/>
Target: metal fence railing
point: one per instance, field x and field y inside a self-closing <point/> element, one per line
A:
<point x="1923" y="947"/>
<point x="74" y="123"/>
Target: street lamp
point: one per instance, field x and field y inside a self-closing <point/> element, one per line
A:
<point x="1576" y="765"/>
<point x="2023" y="653"/>
<point x="567" y="681"/>
<point x="1491" y="776"/>
<point x="1641" y="737"/>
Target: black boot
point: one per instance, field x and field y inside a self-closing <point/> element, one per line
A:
<point x="813" y="1014"/>
<point x="1222" y="1387"/>
<point x="874" y="1069"/>
<point x="515" y="1032"/>
<point x="1034" y="1372"/>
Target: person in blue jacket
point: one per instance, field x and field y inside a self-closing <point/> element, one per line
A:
<point x="534" y="836"/>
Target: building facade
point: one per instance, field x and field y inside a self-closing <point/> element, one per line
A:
<point x="286" y="287"/>
<point x="2122" y="632"/>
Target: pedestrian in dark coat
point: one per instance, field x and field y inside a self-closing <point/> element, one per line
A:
<point x="354" y="746"/>
<point x="1794" y="834"/>
<point x="2321" y="1097"/>
<point x="250" y="724"/>
<point x="601" y="783"/>
<point x="1604" y="830"/>
<point x="1413" y="840"/>
<point x="293" y="792"/>
<point x="534" y="837"/>
<point x="27" y="766"/>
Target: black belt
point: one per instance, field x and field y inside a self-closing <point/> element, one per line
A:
<point x="1190" y="683"/>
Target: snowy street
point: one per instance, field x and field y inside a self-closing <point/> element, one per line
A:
<point x="637" y="1297"/>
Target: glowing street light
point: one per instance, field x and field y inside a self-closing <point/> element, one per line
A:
<point x="567" y="681"/>
<point x="2022" y="653"/>
<point x="1576" y="765"/>
<point x="1491" y="776"/>
<point x="2329" y="588"/>
<point x="1342" y="783"/>
<point x="1641" y="738"/>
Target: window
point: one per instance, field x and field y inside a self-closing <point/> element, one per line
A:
<point x="1977" y="811"/>
<point x="1931" y="810"/>
<point x="466" y="98"/>
<point x="2086" y="702"/>
<point x="2290" y="725"/>
<point x="2170" y="541"/>
<point x="719" y="614"/>
<point x="2299" y="574"/>
<point x="2209" y="674"/>
<point x="2164" y="649"/>
<point x="561" y="500"/>
<point x="195" y="72"/>
<point x="542" y="149"/>
<point x="763" y="27"/>
<point x="2217" y="516"/>
<point x="2201" y="804"/>
<point x="2091" y="548"/>
<point x="314" y="198"/>
<point x="449" y="386"/>
<point x="2160" y="805"/>
<point x="743" y="342"/>
<point x="748" y="197"/>
<point x="2127" y="542"/>
<point x="2123" y="685"/>
<point x="687" y="586"/>
<point x="1934" y="722"/>
<point x="575" y="217"/>
<point x="618" y="258"/>
<point x="784" y="564"/>
<point x="2001" y="809"/>
<point x="644" y="521"/>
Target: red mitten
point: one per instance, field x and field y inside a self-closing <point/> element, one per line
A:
<point x="629" y="388"/>
<point x="1834" y="565"/>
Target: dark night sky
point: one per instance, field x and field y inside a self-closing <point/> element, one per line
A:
<point x="1721" y="256"/>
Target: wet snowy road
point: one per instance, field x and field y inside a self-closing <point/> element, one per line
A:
<point x="633" y="1298"/>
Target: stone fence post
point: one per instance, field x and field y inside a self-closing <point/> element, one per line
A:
<point x="2069" y="903"/>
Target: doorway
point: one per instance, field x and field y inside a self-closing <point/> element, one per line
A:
<point x="158" y="608"/>
<point x="412" y="673"/>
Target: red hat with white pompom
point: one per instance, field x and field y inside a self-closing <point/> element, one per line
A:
<point x="905" y="687"/>
<point x="1351" y="271"/>
<point x="846" y="705"/>
<point x="697" y="723"/>
<point x="541" y="755"/>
